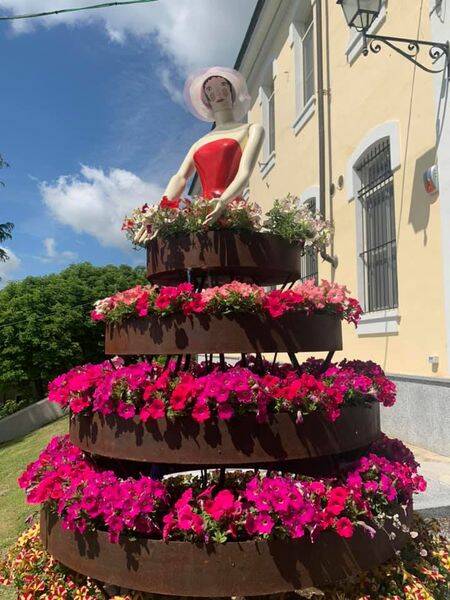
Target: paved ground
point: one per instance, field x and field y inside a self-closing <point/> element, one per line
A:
<point x="435" y="502"/>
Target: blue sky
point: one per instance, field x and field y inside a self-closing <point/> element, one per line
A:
<point x="92" y="121"/>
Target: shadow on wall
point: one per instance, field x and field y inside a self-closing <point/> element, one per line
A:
<point x="419" y="211"/>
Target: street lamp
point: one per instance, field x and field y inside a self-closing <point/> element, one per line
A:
<point x="361" y="14"/>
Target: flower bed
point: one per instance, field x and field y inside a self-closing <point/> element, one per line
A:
<point x="420" y="571"/>
<point x="244" y="506"/>
<point x="229" y="299"/>
<point x="210" y="390"/>
<point x="288" y="218"/>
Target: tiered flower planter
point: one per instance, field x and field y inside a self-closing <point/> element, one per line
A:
<point x="210" y="570"/>
<point x="240" y="441"/>
<point x="244" y="568"/>
<point x="224" y="255"/>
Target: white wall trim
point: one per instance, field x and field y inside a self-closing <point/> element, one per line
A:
<point x="355" y="43"/>
<point x="389" y="129"/>
<point x="312" y="191"/>
<point x="274" y="68"/>
<point x="266" y="167"/>
<point x="264" y="94"/>
<point x="382" y="322"/>
<point x="305" y="115"/>
<point x="379" y="323"/>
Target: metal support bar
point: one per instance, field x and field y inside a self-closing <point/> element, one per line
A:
<point x="327" y="362"/>
<point x="437" y="50"/>
<point x="294" y="360"/>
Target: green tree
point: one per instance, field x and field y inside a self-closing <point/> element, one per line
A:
<point x="5" y="228"/>
<point x="45" y="328"/>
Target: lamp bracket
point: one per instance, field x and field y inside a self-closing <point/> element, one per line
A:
<point x="436" y="51"/>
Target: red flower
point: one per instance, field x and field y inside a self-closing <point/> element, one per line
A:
<point x="154" y="410"/>
<point x="170" y="204"/>
<point x="222" y="505"/>
<point x="344" y="527"/>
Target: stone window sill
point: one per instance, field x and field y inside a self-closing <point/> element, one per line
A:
<point x="379" y="323"/>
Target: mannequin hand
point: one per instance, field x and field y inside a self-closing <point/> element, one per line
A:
<point x="141" y="237"/>
<point x="215" y="215"/>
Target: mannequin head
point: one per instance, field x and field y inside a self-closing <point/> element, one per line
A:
<point x="218" y="93"/>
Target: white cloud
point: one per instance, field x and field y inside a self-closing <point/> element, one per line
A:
<point x="52" y="255"/>
<point x="9" y="267"/>
<point x="193" y="33"/>
<point x="96" y="202"/>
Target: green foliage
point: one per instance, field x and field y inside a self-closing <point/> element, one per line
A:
<point x="45" y="327"/>
<point x="5" y="234"/>
<point x="5" y="228"/>
<point x="298" y="223"/>
<point x="12" y="406"/>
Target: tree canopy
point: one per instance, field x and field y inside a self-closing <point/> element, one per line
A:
<point x="5" y="228"/>
<point x="45" y="328"/>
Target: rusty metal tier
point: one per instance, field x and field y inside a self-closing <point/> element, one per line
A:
<point x="264" y="258"/>
<point x="209" y="334"/>
<point x="240" y="441"/>
<point x="247" y="568"/>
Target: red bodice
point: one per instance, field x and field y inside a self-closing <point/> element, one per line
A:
<point x="217" y="164"/>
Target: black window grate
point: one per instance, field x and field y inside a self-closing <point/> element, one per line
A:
<point x="309" y="265"/>
<point x="379" y="255"/>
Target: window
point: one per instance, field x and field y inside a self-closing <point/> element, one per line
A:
<point x="308" y="63"/>
<point x="379" y="245"/>
<point x="309" y="267"/>
<point x="271" y="123"/>
<point x="302" y="36"/>
<point x="267" y="98"/>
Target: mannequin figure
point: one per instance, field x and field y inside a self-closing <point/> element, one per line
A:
<point x="225" y="157"/>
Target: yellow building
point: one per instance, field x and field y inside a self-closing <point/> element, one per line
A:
<point x="378" y="118"/>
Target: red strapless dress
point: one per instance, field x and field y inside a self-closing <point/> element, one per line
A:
<point x="217" y="164"/>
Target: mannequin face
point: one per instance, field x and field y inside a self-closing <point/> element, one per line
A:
<point x="218" y="93"/>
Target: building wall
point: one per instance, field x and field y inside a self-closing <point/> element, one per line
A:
<point x="440" y="31"/>
<point x="385" y="93"/>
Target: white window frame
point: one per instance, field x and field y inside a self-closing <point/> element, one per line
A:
<point x="381" y="322"/>
<point x="266" y="93"/>
<point x="298" y="30"/>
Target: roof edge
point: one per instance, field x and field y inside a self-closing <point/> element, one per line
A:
<point x="248" y="36"/>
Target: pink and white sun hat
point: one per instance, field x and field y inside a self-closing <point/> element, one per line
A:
<point x="195" y="98"/>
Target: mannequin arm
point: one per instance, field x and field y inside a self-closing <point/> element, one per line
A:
<point x="173" y="190"/>
<point x="248" y="161"/>
<point x="178" y="182"/>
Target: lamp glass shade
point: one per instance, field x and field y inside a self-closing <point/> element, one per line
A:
<point x="360" y="14"/>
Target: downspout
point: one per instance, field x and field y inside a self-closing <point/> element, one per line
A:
<point x="323" y="188"/>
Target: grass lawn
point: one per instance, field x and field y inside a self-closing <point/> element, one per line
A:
<point x="14" y="457"/>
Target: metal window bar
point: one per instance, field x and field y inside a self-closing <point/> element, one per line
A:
<point x="271" y="101"/>
<point x="308" y="63"/>
<point x="309" y="263"/>
<point x="379" y="255"/>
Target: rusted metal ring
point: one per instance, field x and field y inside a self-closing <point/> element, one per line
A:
<point x="240" y="441"/>
<point x="248" y="568"/>
<point x="248" y="333"/>
<point x="264" y="258"/>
